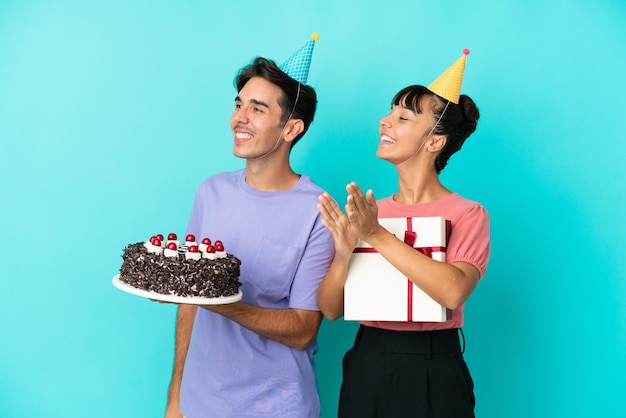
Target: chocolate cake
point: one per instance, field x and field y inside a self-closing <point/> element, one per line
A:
<point x="187" y="270"/>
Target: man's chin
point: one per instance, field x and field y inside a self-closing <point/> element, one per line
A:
<point x="238" y="152"/>
<point x="244" y="156"/>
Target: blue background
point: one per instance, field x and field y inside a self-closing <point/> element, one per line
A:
<point x="111" y="113"/>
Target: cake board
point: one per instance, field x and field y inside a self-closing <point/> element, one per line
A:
<point x="186" y="300"/>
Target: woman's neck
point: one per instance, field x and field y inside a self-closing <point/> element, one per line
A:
<point x="415" y="187"/>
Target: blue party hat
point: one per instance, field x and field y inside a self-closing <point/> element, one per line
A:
<point x="297" y="66"/>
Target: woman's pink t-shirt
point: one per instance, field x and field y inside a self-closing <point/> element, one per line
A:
<point x="469" y="243"/>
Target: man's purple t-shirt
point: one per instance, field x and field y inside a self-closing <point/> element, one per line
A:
<point x="285" y="252"/>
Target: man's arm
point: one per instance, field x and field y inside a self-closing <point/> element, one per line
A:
<point x="296" y="328"/>
<point x="184" y="324"/>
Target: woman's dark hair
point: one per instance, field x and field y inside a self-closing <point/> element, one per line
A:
<point x="457" y="123"/>
<point x="307" y="100"/>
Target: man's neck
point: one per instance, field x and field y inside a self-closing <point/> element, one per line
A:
<point x="270" y="177"/>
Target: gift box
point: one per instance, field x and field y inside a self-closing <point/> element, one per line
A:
<point x="376" y="291"/>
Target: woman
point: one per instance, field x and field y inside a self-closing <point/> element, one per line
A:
<point x="411" y="369"/>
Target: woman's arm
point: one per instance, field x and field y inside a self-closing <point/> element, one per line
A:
<point x="450" y="284"/>
<point x="330" y="291"/>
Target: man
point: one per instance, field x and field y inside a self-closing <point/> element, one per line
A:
<point x="255" y="357"/>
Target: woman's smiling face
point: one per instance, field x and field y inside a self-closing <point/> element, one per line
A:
<point x="403" y="131"/>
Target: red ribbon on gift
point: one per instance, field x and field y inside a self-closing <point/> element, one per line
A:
<point x="409" y="238"/>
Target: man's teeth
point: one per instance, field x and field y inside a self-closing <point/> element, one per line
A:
<point x="387" y="139"/>
<point x="243" y="135"/>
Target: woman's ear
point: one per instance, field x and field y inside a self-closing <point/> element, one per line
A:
<point x="294" y="128"/>
<point x="436" y="143"/>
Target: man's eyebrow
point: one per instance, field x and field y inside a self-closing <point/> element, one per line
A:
<point x="253" y="101"/>
<point x="260" y="103"/>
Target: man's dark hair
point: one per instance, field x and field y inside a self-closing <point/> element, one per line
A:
<point x="307" y="100"/>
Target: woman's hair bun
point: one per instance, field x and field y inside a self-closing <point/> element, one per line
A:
<point x="471" y="112"/>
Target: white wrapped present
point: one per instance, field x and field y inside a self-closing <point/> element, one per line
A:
<point x="376" y="291"/>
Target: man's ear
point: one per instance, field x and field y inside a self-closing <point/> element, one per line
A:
<point x="294" y="128"/>
<point x="437" y="142"/>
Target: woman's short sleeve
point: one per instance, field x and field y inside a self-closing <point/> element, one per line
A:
<point x="469" y="239"/>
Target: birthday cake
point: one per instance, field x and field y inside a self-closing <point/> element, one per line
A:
<point x="188" y="269"/>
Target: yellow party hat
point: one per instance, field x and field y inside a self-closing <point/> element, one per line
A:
<point x="448" y="84"/>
